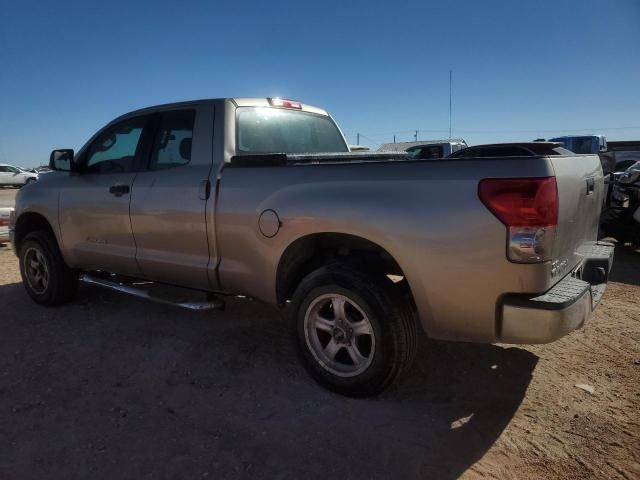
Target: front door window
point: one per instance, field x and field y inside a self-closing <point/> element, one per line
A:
<point x="115" y="149"/>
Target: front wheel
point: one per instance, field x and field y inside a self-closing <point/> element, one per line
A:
<point x="355" y="333"/>
<point x="46" y="277"/>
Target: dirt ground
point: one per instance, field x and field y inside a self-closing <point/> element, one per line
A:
<point x="114" y="387"/>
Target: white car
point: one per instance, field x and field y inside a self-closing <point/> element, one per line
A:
<point x="14" y="176"/>
<point x="4" y="224"/>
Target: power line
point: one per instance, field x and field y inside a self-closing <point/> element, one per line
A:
<point x="532" y="130"/>
<point x="594" y="129"/>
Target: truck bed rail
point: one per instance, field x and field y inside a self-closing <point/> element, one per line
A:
<point x="279" y="159"/>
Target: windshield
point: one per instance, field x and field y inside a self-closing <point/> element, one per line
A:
<point x="275" y="130"/>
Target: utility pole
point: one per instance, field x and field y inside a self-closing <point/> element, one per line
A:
<point x="450" y="108"/>
<point x="415" y="136"/>
<point x="358" y="139"/>
<point x="394" y="139"/>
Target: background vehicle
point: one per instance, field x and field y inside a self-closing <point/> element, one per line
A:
<point x="621" y="218"/>
<point x="481" y="249"/>
<point x="526" y="149"/>
<point x="5" y="213"/>
<point x="14" y="176"/>
<point x="358" y="148"/>
<point x="622" y="154"/>
<point x="425" y="150"/>
<point x="40" y="169"/>
<point x="616" y="156"/>
<point x="584" y="144"/>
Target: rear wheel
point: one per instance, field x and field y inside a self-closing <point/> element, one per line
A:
<point x="45" y="275"/>
<point x="355" y="333"/>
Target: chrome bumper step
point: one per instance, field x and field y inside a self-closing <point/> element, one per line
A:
<point x="145" y="290"/>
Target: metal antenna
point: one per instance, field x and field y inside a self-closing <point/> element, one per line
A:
<point x="450" y="109"/>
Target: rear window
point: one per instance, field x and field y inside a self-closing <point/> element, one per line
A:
<point x="431" y="152"/>
<point x="276" y="130"/>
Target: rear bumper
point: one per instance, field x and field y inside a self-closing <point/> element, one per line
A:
<point x="564" y="308"/>
<point x="4" y="235"/>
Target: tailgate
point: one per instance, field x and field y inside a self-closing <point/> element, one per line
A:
<point x="581" y="193"/>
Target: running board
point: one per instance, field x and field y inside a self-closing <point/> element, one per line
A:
<point x="137" y="289"/>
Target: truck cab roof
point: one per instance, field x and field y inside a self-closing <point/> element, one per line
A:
<point x="266" y="102"/>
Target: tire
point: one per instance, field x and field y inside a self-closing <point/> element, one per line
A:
<point x="361" y="350"/>
<point x="45" y="276"/>
<point x="29" y="181"/>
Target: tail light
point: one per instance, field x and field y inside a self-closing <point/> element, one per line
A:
<point x="529" y="209"/>
<point x="4" y="221"/>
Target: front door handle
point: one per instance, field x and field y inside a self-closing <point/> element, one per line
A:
<point x="118" y="190"/>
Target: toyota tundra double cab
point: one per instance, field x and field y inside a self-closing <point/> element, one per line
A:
<point x="362" y="251"/>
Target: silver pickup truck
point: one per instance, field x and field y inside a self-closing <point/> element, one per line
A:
<point x="361" y="250"/>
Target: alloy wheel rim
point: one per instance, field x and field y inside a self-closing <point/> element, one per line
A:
<point x="36" y="270"/>
<point x="339" y="335"/>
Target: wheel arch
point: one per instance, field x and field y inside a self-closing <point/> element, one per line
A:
<point x="29" y="222"/>
<point x="310" y="252"/>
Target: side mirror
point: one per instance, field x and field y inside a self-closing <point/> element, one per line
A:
<point x="62" y="160"/>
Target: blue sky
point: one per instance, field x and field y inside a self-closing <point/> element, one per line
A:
<point x="521" y="69"/>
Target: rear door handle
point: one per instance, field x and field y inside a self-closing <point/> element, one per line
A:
<point x="119" y="190"/>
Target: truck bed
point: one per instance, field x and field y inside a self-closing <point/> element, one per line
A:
<point x="426" y="214"/>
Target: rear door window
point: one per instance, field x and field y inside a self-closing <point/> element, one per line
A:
<point x="173" y="140"/>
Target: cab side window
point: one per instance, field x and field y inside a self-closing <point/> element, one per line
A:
<point x="173" y="139"/>
<point x="116" y="149"/>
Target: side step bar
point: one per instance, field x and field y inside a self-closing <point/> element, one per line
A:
<point x="139" y="290"/>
